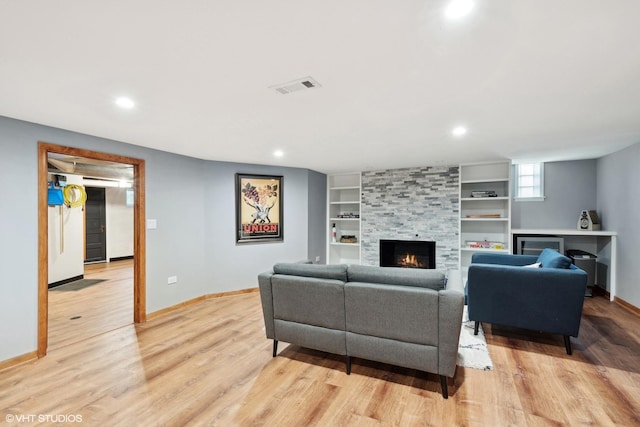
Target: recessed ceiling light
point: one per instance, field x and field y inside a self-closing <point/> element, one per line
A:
<point x="459" y="131"/>
<point x="278" y="153"/>
<point x="458" y="8"/>
<point x="126" y="103"/>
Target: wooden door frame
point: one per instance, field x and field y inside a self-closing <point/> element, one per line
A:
<point x="139" y="234"/>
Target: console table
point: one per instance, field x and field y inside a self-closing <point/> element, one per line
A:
<point x="606" y="251"/>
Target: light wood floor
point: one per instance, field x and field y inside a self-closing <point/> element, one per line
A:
<point x="210" y="364"/>
<point x="77" y="315"/>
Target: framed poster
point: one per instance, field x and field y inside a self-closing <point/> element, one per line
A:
<point x="258" y="208"/>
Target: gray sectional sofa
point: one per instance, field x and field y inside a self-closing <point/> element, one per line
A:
<point x="405" y="317"/>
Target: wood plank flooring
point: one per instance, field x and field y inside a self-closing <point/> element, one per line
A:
<point x="209" y="364"/>
<point x="78" y="315"/>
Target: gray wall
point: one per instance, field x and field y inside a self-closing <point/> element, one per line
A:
<point x="317" y="245"/>
<point x="193" y="203"/>
<point x="18" y="240"/>
<point x="618" y="205"/>
<point x="569" y="188"/>
<point x="236" y="266"/>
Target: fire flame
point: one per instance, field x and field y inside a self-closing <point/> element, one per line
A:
<point x="410" y="260"/>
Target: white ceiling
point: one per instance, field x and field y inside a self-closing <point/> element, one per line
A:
<point x="530" y="79"/>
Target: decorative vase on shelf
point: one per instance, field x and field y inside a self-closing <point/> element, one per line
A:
<point x="334" y="233"/>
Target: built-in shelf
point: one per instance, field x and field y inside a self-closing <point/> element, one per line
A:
<point x="352" y="187"/>
<point x="484" y="250"/>
<point x="343" y="195"/>
<point x="484" y="219"/>
<point x="482" y="199"/>
<point x="487" y="179"/>
<point x="490" y="217"/>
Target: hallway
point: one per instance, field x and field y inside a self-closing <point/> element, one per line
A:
<point x="75" y="315"/>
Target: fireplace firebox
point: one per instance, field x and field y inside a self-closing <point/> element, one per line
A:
<point x="408" y="253"/>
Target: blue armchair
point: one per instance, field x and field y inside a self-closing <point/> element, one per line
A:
<point x="501" y="290"/>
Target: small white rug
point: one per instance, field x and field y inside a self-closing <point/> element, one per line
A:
<point x="472" y="349"/>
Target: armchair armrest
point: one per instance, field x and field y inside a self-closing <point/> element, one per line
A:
<point x="502" y="258"/>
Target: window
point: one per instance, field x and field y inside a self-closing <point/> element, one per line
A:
<point x="129" y="199"/>
<point x="530" y="181"/>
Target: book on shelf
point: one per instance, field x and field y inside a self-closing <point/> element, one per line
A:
<point x="484" y="193"/>
<point x="484" y="244"/>
<point x="348" y="215"/>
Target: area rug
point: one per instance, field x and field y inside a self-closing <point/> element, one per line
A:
<point x="472" y="349"/>
<point x="77" y="285"/>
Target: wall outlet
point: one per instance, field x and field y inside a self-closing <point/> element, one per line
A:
<point x="172" y="279"/>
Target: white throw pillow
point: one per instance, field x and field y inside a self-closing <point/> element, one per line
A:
<point x="536" y="265"/>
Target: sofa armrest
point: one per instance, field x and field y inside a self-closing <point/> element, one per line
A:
<point x="266" y="298"/>
<point x="451" y="305"/>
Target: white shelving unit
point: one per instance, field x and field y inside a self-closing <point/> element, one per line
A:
<point x="343" y="210"/>
<point x="485" y="222"/>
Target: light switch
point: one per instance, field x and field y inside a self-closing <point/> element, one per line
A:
<point x="152" y="224"/>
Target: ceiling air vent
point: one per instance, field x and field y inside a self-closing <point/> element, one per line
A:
<point x="304" y="83"/>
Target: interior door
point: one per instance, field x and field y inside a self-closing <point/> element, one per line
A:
<point x="95" y="225"/>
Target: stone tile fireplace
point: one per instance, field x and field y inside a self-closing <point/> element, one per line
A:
<point x="411" y="204"/>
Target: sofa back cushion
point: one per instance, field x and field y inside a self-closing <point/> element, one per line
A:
<point x="334" y="272"/>
<point x="402" y="313"/>
<point x="550" y="258"/>
<point x="422" y="278"/>
<point x="309" y="300"/>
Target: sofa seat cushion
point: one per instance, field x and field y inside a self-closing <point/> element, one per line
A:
<point x="422" y="278"/>
<point x="401" y="313"/>
<point x="550" y="258"/>
<point x="333" y="271"/>
<point x="310" y="300"/>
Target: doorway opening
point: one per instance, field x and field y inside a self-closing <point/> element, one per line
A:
<point x="139" y="249"/>
<point x="98" y="303"/>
